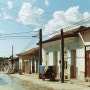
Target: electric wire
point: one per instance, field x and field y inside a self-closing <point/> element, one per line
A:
<point x="41" y="20"/>
<point x="28" y="37"/>
<point x="17" y="33"/>
<point x="29" y="26"/>
<point x="16" y="9"/>
<point x="31" y="43"/>
<point x="80" y="22"/>
<point x="70" y="26"/>
<point x="12" y="38"/>
<point x="15" y="37"/>
<point x="33" y="27"/>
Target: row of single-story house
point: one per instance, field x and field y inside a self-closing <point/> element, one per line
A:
<point x="29" y="61"/>
<point x="76" y="54"/>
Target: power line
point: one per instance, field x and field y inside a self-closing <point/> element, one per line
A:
<point x="78" y="23"/>
<point x="29" y="44"/>
<point x="20" y="23"/>
<point x="34" y="25"/>
<point x="16" y="33"/>
<point x="12" y="38"/>
<point x="70" y="26"/>
<point x="46" y="17"/>
<point x="16" y="9"/>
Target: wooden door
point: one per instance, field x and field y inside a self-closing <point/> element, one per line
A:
<point x="73" y="64"/>
<point x="87" y="65"/>
<point x="26" y="67"/>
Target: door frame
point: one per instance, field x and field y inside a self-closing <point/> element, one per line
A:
<point x="86" y="60"/>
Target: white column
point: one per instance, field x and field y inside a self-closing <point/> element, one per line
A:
<point x="31" y="66"/>
<point x="35" y="65"/>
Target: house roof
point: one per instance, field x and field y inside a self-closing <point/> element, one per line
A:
<point x="31" y="51"/>
<point x="70" y="33"/>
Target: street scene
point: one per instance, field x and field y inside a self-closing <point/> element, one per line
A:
<point x="31" y="82"/>
<point x="44" y="45"/>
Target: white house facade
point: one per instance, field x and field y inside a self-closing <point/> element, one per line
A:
<point x="29" y="61"/>
<point x="76" y="53"/>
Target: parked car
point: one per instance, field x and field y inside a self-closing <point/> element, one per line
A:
<point x="47" y="72"/>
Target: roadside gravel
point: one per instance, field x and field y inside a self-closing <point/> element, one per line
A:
<point x="5" y="87"/>
<point x="31" y="82"/>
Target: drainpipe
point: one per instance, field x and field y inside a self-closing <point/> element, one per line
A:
<point x="81" y="38"/>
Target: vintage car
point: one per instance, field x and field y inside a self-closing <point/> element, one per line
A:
<point x="47" y="72"/>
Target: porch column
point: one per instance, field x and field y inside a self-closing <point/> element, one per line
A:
<point x="36" y="66"/>
<point x="33" y="66"/>
<point x="30" y="66"/>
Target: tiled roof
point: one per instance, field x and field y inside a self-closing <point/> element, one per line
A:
<point x="70" y="33"/>
<point x="31" y="51"/>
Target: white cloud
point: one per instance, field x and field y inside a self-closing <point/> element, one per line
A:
<point x="72" y="14"/>
<point x="10" y="5"/>
<point x="2" y="32"/>
<point x="86" y="15"/>
<point x="0" y="16"/>
<point x="29" y="15"/>
<point x="33" y="1"/>
<point x="46" y="2"/>
<point x="6" y="16"/>
<point x="62" y="19"/>
<point x="36" y="29"/>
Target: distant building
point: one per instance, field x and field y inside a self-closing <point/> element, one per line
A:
<point x="13" y="66"/>
<point x="3" y="63"/>
<point x="29" y="61"/>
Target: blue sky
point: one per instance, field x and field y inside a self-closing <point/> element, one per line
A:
<point x="21" y="19"/>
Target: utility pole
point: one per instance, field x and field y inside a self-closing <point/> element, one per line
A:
<point x="40" y="49"/>
<point x="62" y="56"/>
<point x="12" y="57"/>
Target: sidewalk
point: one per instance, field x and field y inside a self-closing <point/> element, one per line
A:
<point x="56" y="85"/>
